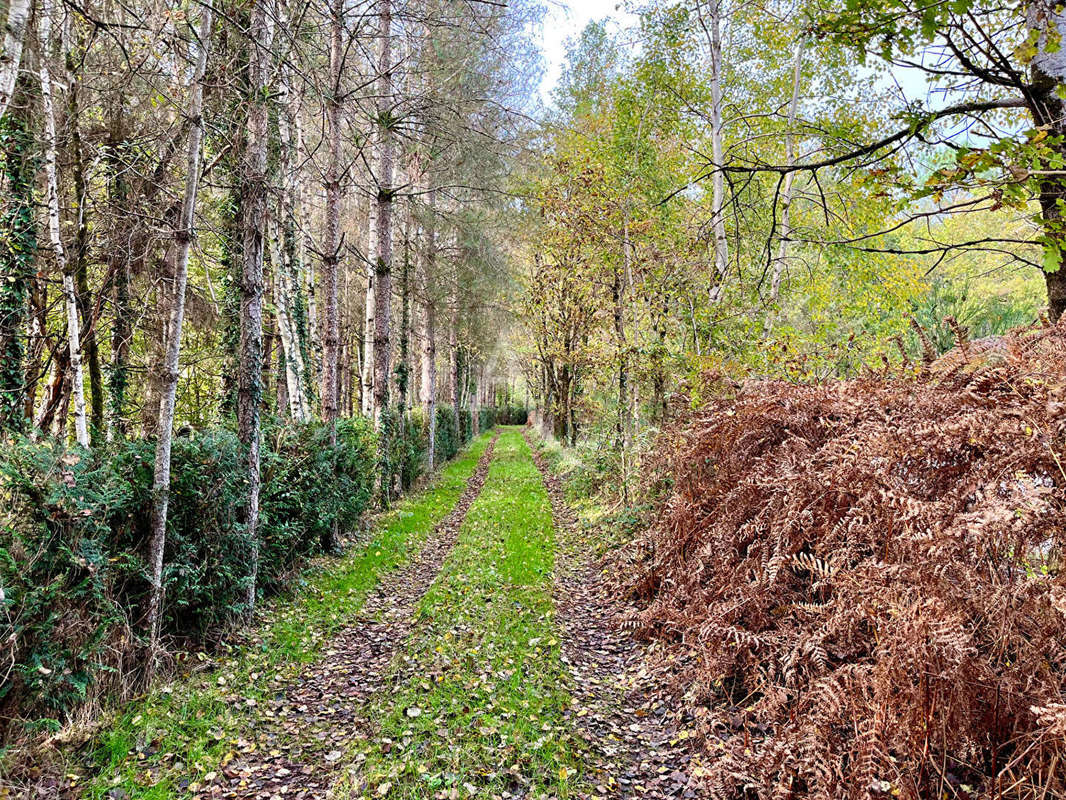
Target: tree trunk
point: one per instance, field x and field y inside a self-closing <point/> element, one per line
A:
<point x="366" y="378"/>
<point x="786" y="189"/>
<point x="713" y="29"/>
<point x="303" y="244"/>
<point x="18" y="16"/>
<point x="331" y="243"/>
<point x="473" y="390"/>
<point x="79" y="261"/>
<point x="383" y="208"/>
<point x="623" y="422"/>
<point x="119" y="264"/>
<point x="429" y="331"/>
<point x="453" y="358"/>
<point x="253" y="222"/>
<point x="183" y="235"/>
<point x="403" y="372"/>
<point x="70" y="297"/>
<point x="283" y="254"/>
<point x="1049" y="109"/>
<point x="291" y="374"/>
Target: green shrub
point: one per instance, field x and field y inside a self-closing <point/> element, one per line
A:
<point x="74" y="537"/>
<point x="447" y="444"/>
<point x="406" y="450"/>
<point x="465" y="433"/>
<point x="486" y="418"/>
<point x="416" y="444"/>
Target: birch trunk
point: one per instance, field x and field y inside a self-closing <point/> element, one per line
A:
<point x="290" y="344"/>
<point x="305" y="279"/>
<point x="81" y="428"/>
<point x="286" y="283"/>
<point x="429" y="333"/>
<point x="713" y="29"/>
<point x="183" y="236"/>
<point x="18" y="17"/>
<point x="366" y="377"/>
<point x="253" y="222"/>
<point x="384" y="208"/>
<point x="786" y="189"/>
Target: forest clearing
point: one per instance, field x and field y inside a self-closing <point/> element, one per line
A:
<point x="532" y="399"/>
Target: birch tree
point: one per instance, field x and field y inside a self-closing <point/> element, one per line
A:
<point x="712" y="26"/>
<point x="253" y="224"/>
<point x="77" y="376"/>
<point x="18" y="17"/>
<point x="183" y="236"/>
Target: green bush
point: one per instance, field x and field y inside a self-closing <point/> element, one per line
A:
<point x="74" y="537"/>
<point x="486" y="418"/>
<point x="407" y="445"/>
<point x="465" y="433"/>
<point x="447" y="444"/>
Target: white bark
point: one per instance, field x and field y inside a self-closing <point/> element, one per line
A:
<point x="285" y="279"/>
<point x="367" y="357"/>
<point x="77" y="373"/>
<point x="790" y="159"/>
<point x="290" y="343"/>
<point x="304" y="245"/>
<point x="1046" y="17"/>
<point x="253" y="222"/>
<point x="18" y="17"/>
<point x="183" y="236"/>
<point x="712" y="26"/>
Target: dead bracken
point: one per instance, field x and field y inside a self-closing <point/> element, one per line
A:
<point x="866" y="578"/>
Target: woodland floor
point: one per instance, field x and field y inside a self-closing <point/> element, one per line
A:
<point x="467" y="649"/>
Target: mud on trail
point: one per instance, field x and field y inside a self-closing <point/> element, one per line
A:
<point x="296" y="745"/>
<point x="638" y="744"/>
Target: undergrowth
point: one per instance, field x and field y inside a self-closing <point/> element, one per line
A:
<point x="157" y="744"/>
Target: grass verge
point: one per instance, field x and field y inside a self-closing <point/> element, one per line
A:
<point x="483" y="714"/>
<point x="157" y="746"/>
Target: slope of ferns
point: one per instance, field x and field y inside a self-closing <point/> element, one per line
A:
<point x="866" y="576"/>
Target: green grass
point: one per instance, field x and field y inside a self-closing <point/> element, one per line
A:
<point x="481" y="710"/>
<point x="153" y="747"/>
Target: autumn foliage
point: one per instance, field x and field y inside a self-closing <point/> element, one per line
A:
<point x="866" y="578"/>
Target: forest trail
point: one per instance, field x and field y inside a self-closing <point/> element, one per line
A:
<point x="324" y="707"/>
<point x="487" y="663"/>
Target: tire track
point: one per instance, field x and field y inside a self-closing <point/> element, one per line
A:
<point x="618" y="707"/>
<point x="300" y="740"/>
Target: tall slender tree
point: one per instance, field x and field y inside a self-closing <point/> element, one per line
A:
<point x="183" y="235"/>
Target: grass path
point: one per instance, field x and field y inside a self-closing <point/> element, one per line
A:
<point x="165" y="745"/>
<point x="451" y="658"/>
<point x="478" y="702"/>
